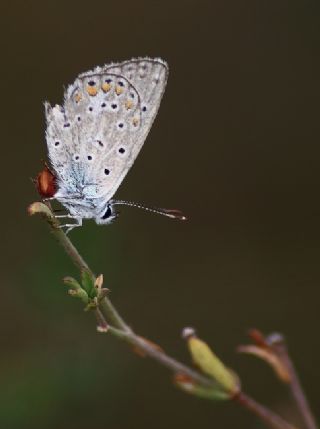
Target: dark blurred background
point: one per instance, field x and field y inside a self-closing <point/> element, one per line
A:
<point x="235" y="145"/>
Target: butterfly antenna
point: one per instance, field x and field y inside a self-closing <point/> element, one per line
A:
<point x="172" y="213"/>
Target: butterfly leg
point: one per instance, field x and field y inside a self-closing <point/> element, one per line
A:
<point x="70" y="226"/>
<point x="69" y="216"/>
<point x="48" y="199"/>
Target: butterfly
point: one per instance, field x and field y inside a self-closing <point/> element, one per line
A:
<point x="94" y="138"/>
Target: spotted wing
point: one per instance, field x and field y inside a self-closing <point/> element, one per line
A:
<point x="95" y="137"/>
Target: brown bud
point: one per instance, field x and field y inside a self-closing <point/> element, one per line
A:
<point x="258" y="338"/>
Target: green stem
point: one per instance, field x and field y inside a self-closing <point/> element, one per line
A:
<point x="113" y="315"/>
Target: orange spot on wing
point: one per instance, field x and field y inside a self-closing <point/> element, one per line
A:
<point x="119" y="90"/>
<point x="128" y="104"/>
<point x="106" y="87"/>
<point x="92" y="90"/>
<point x="77" y="97"/>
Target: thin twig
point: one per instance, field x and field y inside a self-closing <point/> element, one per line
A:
<point x="294" y="383"/>
<point x="118" y="328"/>
<point x="272" y="419"/>
<point x="113" y="315"/>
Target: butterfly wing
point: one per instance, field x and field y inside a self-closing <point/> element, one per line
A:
<point x="95" y="137"/>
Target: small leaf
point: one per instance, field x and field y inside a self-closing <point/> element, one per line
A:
<point x="71" y="282"/>
<point x="187" y="384"/>
<point x="88" y="282"/>
<point x="79" y="293"/>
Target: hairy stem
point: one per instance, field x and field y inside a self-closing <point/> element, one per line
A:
<point x="118" y="328"/>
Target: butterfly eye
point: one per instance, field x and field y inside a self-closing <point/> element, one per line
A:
<point x="108" y="213"/>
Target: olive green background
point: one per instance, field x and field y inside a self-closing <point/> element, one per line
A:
<point x="235" y="146"/>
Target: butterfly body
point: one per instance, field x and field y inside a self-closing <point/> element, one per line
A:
<point x="95" y="136"/>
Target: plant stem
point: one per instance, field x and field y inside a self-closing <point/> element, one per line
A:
<point x="76" y="258"/>
<point x="272" y="419"/>
<point x="121" y="330"/>
<point x="113" y="315"/>
<point x="294" y="384"/>
<point x="156" y="353"/>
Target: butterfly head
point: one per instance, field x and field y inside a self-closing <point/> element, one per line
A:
<point x="107" y="216"/>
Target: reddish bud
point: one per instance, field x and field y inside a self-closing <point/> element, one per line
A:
<point x="258" y="338"/>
